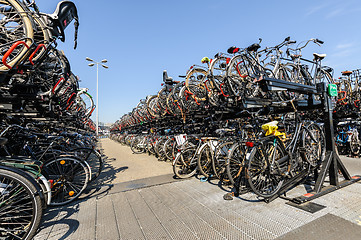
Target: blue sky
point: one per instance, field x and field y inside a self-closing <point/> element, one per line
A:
<point x="142" y="38"/>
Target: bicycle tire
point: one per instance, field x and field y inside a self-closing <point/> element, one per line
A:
<point x="184" y="165"/>
<point x="159" y="148"/>
<point x="93" y="158"/>
<point x="262" y="179"/>
<point x="218" y="66"/>
<point x="195" y="80"/>
<point x="153" y="106"/>
<point x="26" y="33"/>
<point x="134" y="146"/>
<point x="239" y="73"/>
<point x="313" y="141"/>
<point x="69" y="177"/>
<point x="168" y="148"/>
<point x="17" y="192"/>
<point x="219" y="161"/>
<point x="235" y="162"/>
<point x="354" y="142"/>
<point x="204" y="160"/>
<point x="86" y="102"/>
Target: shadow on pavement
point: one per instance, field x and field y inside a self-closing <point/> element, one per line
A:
<point x="59" y="221"/>
<point x="54" y="217"/>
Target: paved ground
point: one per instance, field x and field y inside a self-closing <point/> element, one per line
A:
<point x="123" y="165"/>
<point x="149" y="205"/>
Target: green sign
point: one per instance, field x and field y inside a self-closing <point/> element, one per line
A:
<point x="332" y="90"/>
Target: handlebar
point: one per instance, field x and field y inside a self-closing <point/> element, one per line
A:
<point x="317" y="41"/>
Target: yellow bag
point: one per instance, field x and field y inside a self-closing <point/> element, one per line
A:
<point x="271" y="129"/>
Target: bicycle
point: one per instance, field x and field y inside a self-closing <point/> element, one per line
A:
<point x="20" y="204"/>
<point x="273" y="160"/>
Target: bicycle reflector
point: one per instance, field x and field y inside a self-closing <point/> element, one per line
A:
<point x="250" y="144"/>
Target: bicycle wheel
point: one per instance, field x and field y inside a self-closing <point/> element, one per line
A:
<point x="85" y="100"/>
<point x="219" y="161"/>
<point x="356" y="99"/>
<point x="195" y="84"/>
<point x="323" y="76"/>
<point x="239" y="73"/>
<point x="153" y="106"/>
<point x="137" y="145"/>
<point x="173" y="100"/>
<point x="16" y="25"/>
<point x="235" y="161"/>
<point x="162" y="100"/>
<point x="192" y="98"/>
<point x="150" y="146"/>
<point x="168" y="148"/>
<point x="20" y="206"/>
<point x="313" y="141"/>
<point x="69" y="177"/>
<point x="41" y="36"/>
<point x="354" y="142"/>
<point x="204" y="160"/>
<point x="218" y="66"/>
<point x="264" y="175"/>
<point x="159" y="148"/>
<point x="93" y="158"/>
<point x="284" y="73"/>
<point x="185" y="163"/>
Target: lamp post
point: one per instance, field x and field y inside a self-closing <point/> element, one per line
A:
<point x="97" y="105"/>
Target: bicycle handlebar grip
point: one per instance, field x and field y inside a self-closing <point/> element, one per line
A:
<point x="319" y="41"/>
<point x="291" y="42"/>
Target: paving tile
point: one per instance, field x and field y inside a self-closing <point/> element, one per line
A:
<point x="148" y="221"/>
<point x="197" y="226"/>
<point x="87" y="220"/>
<point x="126" y="220"/>
<point x="173" y="224"/>
<point x="106" y="225"/>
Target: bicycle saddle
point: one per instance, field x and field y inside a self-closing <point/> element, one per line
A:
<point x="248" y="126"/>
<point x="346" y="73"/>
<point x="233" y="49"/>
<point x="319" y="56"/>
<point x="64" y="13"/>
<point x="167" y="79"/>
<point x="253" y="47"/>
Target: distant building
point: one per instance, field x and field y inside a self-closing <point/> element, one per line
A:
<point x="104" y="128"/>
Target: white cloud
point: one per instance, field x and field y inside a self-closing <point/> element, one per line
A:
<point x="316" y="9"/>
<point x="336" y="13"/>
<point x="344" y="45"/>
<point x="343" y="53"/>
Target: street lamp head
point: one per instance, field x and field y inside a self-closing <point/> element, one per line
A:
<point x="104" y="66"/>
<point x="104" y="61"/>
<point x="89" y="59"/>
<point x="91" y="64"/>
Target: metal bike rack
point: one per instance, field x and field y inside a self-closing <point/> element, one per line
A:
<point x="332" y="163"/>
